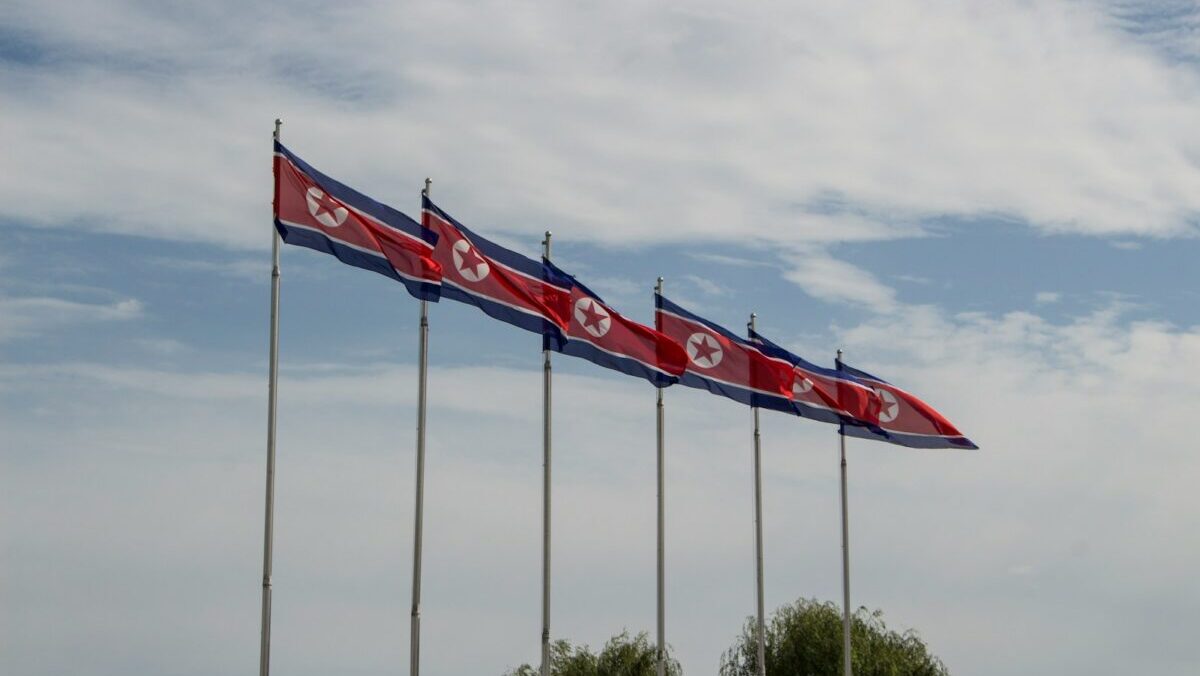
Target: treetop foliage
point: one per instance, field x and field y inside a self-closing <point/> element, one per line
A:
<point x="805" y="639"/>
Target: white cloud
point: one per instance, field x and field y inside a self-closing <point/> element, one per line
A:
<point x="1126" y="245"/>
<point x="706" y="286"/>
<point x="238" y="268"/>
<point x="1082" y="482"/>
<point x="31" y="316"/>
<point x="785" y="126"/>
<point x="699" y="123"/>
<point x="1047" y="297"/>
<point x="829" y="279"/>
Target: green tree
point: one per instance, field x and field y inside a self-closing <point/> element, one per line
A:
<point x="623" y="655"/>
<point x="805" y="639"/>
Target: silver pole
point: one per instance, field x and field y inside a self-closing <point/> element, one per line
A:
<point x="661" y="661"/>
<point x="758" y="538"/>
<point x="264" y="648"/>
<point x="846" y="669"/>
<point x="546" y="372"/>
<point x="414" y="649"/>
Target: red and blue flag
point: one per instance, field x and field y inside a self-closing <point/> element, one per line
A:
<point x="723" y="363"/>
<point x="823" y="394"/>
<point x="315" y="211"/>
<point x="904" y="419"/>
<point x="504" y="284"/>
<point x="601" y="335"/>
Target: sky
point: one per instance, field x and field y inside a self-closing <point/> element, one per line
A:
<point x="993" y="205"/>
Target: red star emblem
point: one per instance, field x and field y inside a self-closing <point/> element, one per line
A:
<point x="591" y="318"/>
<point x="704" y="349"/>
<point x="471" y="260"/>
<point x="326" y="205"/>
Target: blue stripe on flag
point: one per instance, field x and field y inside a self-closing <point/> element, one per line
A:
<point x="422" y="289"/>
<point x="380" y="211"/>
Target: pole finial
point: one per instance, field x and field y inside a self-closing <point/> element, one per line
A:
<point x="428" y="185"/>
<point x="278" y="124"/>
<point x="546" y="246"/>
<point x="753" y="317"/>
<point x="658" y="286"/>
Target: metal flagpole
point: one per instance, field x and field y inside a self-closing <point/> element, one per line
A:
<point x="758" y="537"/>
<point x="546" y="371"/>
<point x="264" y="648"/>
<point x="414" y="650"/>
<point x="661" y="660"/>
<point x="846" y="669"/>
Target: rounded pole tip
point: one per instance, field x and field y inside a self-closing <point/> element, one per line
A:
<point x="548" y="233"/>
<point x="660" y="280"/>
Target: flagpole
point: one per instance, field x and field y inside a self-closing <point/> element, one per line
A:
<point x="546" y="372"/>
<point x="846" y="668"/>
<point x="661" y="661"/>
<point x="414" y="649"/>
<point x="264" y="648"/>
<point x="758" y="536"/>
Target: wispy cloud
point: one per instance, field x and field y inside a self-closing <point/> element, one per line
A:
<point x="735" y="261"/>
<point x="238" y="268"/>
<point x="1033" y="392"/>
<point x="27" y="317"/>
<point x="706" y="286"/>
<point x="836" y="281"/>
<point x="1095" y="135"/>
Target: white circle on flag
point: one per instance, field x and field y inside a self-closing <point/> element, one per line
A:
<point x="704" y="350"/>
<point x="801" y="385"/>
<point x="327" y="212"/>
<point x="468" y="261"/>
<point x="891" y="406"/>
<point x="592" y="317"/>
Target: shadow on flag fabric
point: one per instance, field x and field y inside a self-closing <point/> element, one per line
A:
<point x="504" y="284"/>
<point x="601" y="335"/>
<point x="723" y="363"/>
<point x="904" y="419"/>
<point x="824" y="394"/>
<point x="315" y="211"/>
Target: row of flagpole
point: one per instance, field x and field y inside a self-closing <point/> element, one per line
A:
<point x="546" y="373"/>
<point x="415" y="618"/>
<point x="759" y="624"/>
<point x="846" y="669"/>
<point x="414" y="650"/>
<point x="264" y="649"/>
<point x="660" y="426"/>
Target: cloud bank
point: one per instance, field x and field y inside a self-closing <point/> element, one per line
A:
<point x="616" y="123"/>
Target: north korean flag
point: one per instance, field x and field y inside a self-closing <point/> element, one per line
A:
<point x="904" y="419"/>
<point x="723" y="363"/>
<point x="601" y="335"/>
<point x="315" y="211"/>
<point x="503" y="283"/>
<point x="824" y="394"/>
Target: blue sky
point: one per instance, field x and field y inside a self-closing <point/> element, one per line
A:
<point x="995" y="208"/>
